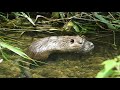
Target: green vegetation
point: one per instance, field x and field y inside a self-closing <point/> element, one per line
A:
<point x="19" y="29"/>
<point x="111" y="68"/>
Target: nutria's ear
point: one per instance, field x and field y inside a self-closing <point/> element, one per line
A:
<point x="83" y="36"/>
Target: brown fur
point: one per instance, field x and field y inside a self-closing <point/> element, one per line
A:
<point x="42" y="48"/>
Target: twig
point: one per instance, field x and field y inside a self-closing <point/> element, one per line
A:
<point x="111" y="15"/>
<point x="114" y="43"/>
<point x="53" y="20"/>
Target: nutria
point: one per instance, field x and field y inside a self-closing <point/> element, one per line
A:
<point x="42" y="48"/>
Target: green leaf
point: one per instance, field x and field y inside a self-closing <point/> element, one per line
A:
<point x="14" y="49"/>
<point x="76" y="27"/>
<point x="18" y="51"/>
<point x="62" y="14"/>
<point x="4" y="55"/>
<point x="107" y="71"/>
<point x="70" y="24"/>
<point x="4" y="17"/>
<point x="29" y="19"/>
<point x="100" y="17"/>
<point x="116" y="73"/>
<point x="103" y="20"/>
<point x="116" y="21"/>
<point x="55" y="14"/>
<point x="109" y="64"/>
<point x="104" y="74"/>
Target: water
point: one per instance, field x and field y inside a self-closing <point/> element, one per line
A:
<point x="62" y="65"/>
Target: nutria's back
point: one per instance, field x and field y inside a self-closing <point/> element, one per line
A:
<point x="42" y="48"/>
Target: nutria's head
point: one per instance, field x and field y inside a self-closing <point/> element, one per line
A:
<point x="87" y="46"/>
<point x="76" y="44"/>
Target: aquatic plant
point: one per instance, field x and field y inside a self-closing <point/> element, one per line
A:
<point x="16" y="50"/>
<point x="111" y="68"/>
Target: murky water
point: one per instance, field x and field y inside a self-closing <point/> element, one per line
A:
<point x="62" y="65"/>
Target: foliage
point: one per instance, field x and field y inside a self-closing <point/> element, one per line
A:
<point x="82" y="22"/>
<point x="26" y="16"/>
<point x="103" y="20"/>
<point x="111" y="68"/>
<point x="15" y="50"/>
<point x="75" y="22"/>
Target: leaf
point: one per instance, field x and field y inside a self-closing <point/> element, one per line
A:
<point x="70" y="23"/>
<point x="76" y="27"/>
<point x="104" y="74"/>
<point x="18" y="51"/>
<point x="62" y="14"/>
<point x="55" y="14"/>
<point x="109" y="64"/>
<point x="6" y="19"/>
<point x="107" y="71"/>
<point x="29" y="19"/>
<point x="14" y="49"/>
<point x="116" y="21"/>
<point x="103" y="20"/>
<point x="4" y="55"/>
<point x="116" y="73"/>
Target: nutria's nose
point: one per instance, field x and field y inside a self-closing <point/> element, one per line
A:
<point x="92" y="45"/>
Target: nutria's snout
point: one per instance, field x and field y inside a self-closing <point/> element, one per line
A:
<point x="88" y="46"/>
<point x="92" y="45"/>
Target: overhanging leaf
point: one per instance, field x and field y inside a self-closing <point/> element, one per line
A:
<point x="107" y="71"/>
<point x="29" y="19"/>
<point x="103" y="20"/>
<point x="14" y="49"/>
<point x="109" y="64"/>
<point x="17" y="51"/>
<point x="104" y="74"/>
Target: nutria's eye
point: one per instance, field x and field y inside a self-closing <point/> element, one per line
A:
<point x="72" y="40"/>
